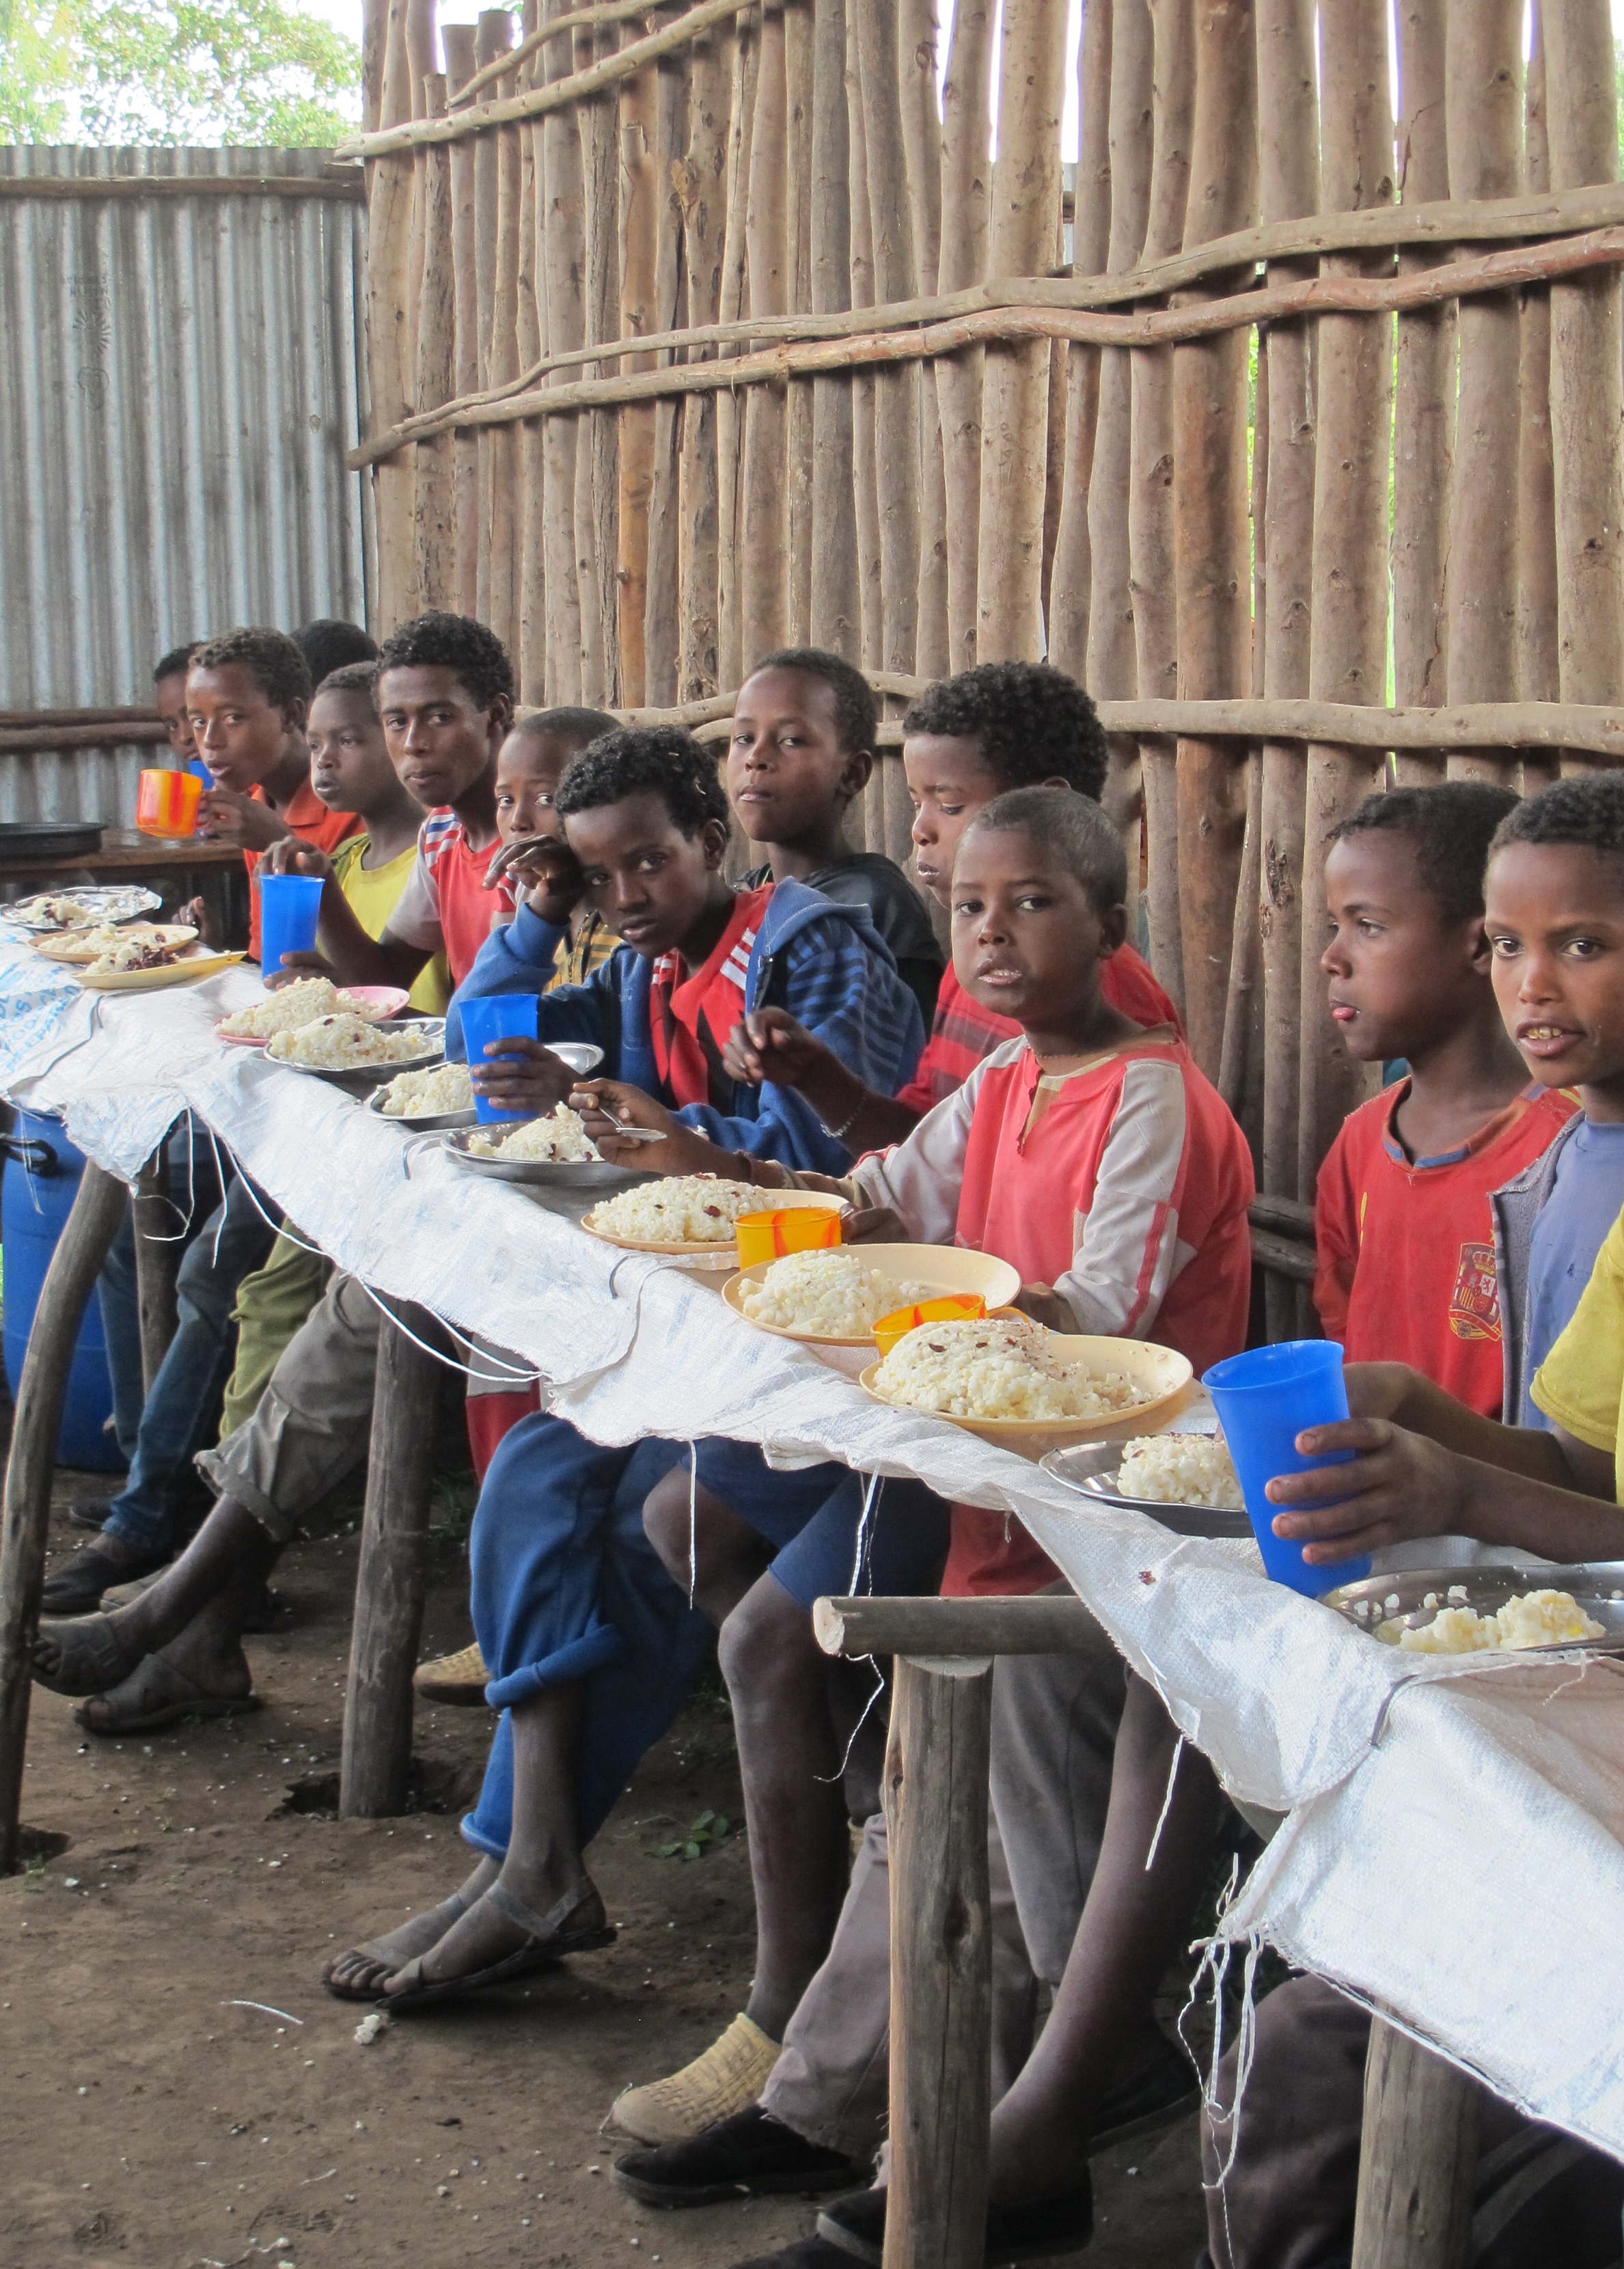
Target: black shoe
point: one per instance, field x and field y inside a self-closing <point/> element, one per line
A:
<point x="75" y="1587"/>
<point x="1167" y="2090"/>
<point x="89" y="1511"/>
<point x="749" y="2155"/>
<point x="1050" y="2231"/>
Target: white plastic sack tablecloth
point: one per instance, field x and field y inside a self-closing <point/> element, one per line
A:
<point x="1453" y="1851"/>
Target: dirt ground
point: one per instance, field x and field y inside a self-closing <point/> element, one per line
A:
<point x="152" y="2114"/>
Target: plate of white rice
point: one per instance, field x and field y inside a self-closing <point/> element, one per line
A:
<point x="835" y="1298"/>
<point x="347" y="1050"/>
<point x="1011" y="1381"/>
<point x="1185" y="1481"/>
<point x="690" y="1214"/>
<point x="1495" y="1608"/>
<point x="554" y="1157"/>
<point x="60" y="910"/>
<point x="287" y="1006"/>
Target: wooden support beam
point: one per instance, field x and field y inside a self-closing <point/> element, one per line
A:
<point x="1417" y="2157"/>
<point x="1048" y="1623"/>
<point x="153" y="1219"/>
<point x="941" y="1964"/>
<point x="391" y="1577"/>
<point x="88" y="1232"/>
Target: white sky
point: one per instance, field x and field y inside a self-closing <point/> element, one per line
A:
<point x="346" y="14"/>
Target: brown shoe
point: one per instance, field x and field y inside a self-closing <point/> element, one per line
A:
<point x="459" y="1679"/>
<point x="75" y="1587"/>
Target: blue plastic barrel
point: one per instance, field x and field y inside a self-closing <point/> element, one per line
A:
<point x="37" y="1190"/>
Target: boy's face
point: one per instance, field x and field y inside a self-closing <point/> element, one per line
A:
<point x="1555" y="928"/>
<point x="440" y="740"/>
<point x="350" y="767"/>
<point x="650" y="883"/>
<point x="947" y="784"/>
<point x="528" y="767"/>
<point x="169" y="699"/>
<point x="786" y="769"/>
<point x="240" y="734"/>
<point x="1401" y="978"/>
<point x="1027" y="936"/>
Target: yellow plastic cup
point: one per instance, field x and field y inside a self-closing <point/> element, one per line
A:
<point x="166" y="802"/>
<point x="794" y="1229"/>
<point x="951" y="1308"/>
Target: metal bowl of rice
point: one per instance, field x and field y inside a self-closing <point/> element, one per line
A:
<point x="1094" y="1470"/>
<point x="427" y="1032"/>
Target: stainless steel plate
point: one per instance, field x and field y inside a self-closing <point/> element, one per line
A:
<point x="581" y="1056"/>
<point x="1091" y="1469"/>
<point x="115" y="902"/>
<point x="1597" y="1586"/>
<point x="432" y="1122"/>
<point x="588" y="1177"/>
<point x="361" y="1079"/>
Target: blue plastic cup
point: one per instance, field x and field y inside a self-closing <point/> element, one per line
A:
<point x="290" y="906"/>
<point x="506" y="1017"/>
<point x="1265" y="1399"/>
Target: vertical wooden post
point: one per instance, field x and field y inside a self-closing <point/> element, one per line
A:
<point x="763" y="519"/>
<point x="1026" y="189"/>
<point x="661" y="611"/>
<point x="865" y="493"/>
<point x="1347" y="656"/>
<point x="529" y="537"/>
<point x="1423" y="394"/>
<point x="88" y="1232"/>
<point x="1211" y="576"/>
<point x="1538" y="673"/>
<point x="391" y="1577"/>
<point x="835" y="604"/>
<point x="799" y="77"/>
<point x="1587" y="410"/>
<point x="941" y="1971"/>
<point x="494" y="37"/>
<point x="388" y="254"/>
<point x="1289" y="188"/>
<point x="1150" y="495"/>
<point x="375" y="29"/>
<point x="966" y="178"/>
<point x="730" y="408"/>
<point x="1071" y="577"/>
<point x="434" y="526"/>
<point x="152" y="1220"/>
<point x="918" y="35"/>
<point x="1483" y="79"/>
<point x="895" y="388"/>
<point x="597" y="473"/>
<point x="702" y="184"/>
<point x="1417" y="2158"/>
<point x="460" y="67"/>
<point x="563" y="259"/>
<point x="640" y="197"/>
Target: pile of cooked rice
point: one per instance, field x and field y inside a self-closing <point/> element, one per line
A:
<point x="335" y="1043"/>
<point x="65" y="912"/>
<point x="834" y="1295"/>
<point x="292" y="1006"/>
<point x="559" y="1140"/>
<point x="442" y="1088"/>
<point x="106" y="937"/>
<point x="1181" y="1469"/>
<point x="998" y="1369"/>
<point x="1544" y="1618"/>
<point x="686" y="1209"/>
<point x="134" y="953"/>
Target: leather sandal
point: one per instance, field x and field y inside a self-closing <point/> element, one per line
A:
<point x="544" y="1947"/>
<point x="90" y="1656"/>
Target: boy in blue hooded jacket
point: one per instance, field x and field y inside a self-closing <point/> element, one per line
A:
<point x="590" y="1646"/>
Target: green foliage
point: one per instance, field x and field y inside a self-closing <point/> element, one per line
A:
<point x="707" y="1832"/>
<point x="175" y="73"/>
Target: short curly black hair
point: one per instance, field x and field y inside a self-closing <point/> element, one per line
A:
<point x="857" y="705"/>
<point x="328" y="644"/>
<point x="1588" y="811"/>
<point x="566" y="723"/>
<point x="455" y="642"/>
<point x="1450" y="827"/>
<point x="175" y="663"/>
<point x="1071" y="828"/>
<point x="1034" y="723"/>
<point x="659" y="760"/>
<point x="271" y="657"/>
<point x="352" y="677"/>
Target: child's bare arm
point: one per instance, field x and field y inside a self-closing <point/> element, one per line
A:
<point x="347" y="953"/>
<point x="225" y="816"/>
<point x="771" y="1044"/>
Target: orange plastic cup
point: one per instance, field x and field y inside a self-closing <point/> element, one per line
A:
<point x="951" y="1308"/>
<point x="166" y="802"/>
<point x="796" y="1229"/>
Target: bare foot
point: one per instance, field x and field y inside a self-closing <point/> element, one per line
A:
<point x="484" y="1937"/>
<point x="359" y="1974"/>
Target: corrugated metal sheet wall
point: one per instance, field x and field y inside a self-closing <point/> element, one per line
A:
<point x="181" y="378"/>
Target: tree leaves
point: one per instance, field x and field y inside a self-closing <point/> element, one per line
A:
<point x="703" y="1834"/>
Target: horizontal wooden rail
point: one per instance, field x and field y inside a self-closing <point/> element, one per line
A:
<point x="1495" y="271"/>
<point x="46" y="719"/>
<point x="1282" y="1256"/>
<point x="1289" y="1216"/>
<point x="342" y="185"/>
<point x="536" y="101"/>
<point x="1050" y="1624"/>
<point x="22" y="742"/>
<point x="579" y="19"/>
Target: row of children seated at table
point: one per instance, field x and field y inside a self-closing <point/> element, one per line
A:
<point x="1055" y="1117"/>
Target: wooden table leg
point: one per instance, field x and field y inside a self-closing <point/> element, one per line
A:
<point x="941" y="1963"/>
<point x="83" y="1246"/>
<point x="390" y="1580"/>
<point x="1417" y="2158"/>
<point x="157" y="1266"/>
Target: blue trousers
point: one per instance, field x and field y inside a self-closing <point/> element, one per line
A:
<point x="195" y="1185"/>
<point x="181" y="1415"/>
<point x="567" y="1586"/>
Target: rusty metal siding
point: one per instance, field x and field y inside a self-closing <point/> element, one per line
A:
<point x="179" y="380"/>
